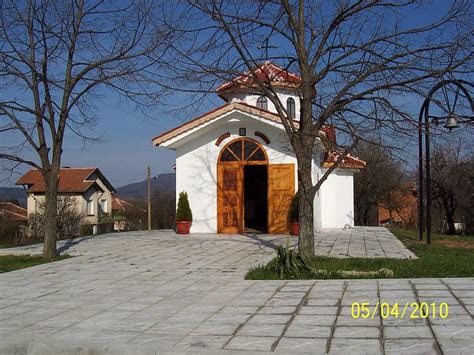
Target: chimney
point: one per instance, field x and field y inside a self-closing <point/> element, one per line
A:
<point x="330" y="132"/>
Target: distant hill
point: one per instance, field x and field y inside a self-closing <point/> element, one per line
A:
<point x="165" y="184"/>
<point x="13" y="193"/>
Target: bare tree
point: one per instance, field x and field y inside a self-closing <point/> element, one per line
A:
<point x="68" y="222"/>
<point x="452" y="179"/>
<point x="379" y="183"/>
<point x="358" y="61"/>
<point x="163" y="210"/>
<point x="56" y="59"/>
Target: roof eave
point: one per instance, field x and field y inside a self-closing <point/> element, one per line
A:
<point x="263" y="116"/>
<point x="327" y="165"/>
<point x="103" y="179"/>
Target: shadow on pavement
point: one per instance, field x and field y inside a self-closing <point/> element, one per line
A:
<point x="70" y="243"/>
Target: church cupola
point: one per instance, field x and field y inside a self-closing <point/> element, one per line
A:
<point x="244" y="89"/>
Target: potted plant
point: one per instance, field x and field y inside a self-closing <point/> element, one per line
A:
<point x="293" y="216"/>
<point x="184" y="216"/>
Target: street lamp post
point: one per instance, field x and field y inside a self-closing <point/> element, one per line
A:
<point x="451" y="122"/>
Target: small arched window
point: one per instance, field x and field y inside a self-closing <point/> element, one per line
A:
<point x="290" y="107"/>
<point x="262" y="103"/>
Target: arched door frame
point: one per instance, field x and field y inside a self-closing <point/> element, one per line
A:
<point x="230" y="194"/>
<point x="244" y="161"/>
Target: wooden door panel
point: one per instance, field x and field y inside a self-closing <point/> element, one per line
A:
<point x="281" y="189"/>
<point x="229" y="198"/>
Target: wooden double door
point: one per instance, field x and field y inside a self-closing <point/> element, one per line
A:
<point x="231" y="199"/>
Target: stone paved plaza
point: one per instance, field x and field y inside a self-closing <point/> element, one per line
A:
<point x="156" y="292"/>
<point x="361" y="242"/>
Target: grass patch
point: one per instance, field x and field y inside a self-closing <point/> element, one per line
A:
<point x="410" y="238"/>
<point x="15" y="262"/>
<point x="447" y="256"/>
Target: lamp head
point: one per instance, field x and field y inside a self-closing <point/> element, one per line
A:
<point x="451" y="122"/>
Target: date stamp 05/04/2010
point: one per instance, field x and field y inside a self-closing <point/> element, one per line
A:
<point x="412" y="310"/>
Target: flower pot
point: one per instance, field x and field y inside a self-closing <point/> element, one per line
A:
<point x="295" y="228"/>
<point x="183" y="227"/>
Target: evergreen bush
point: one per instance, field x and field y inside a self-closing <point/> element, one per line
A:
<point x="183" y="212"/>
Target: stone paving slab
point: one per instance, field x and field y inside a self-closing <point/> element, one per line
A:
<point x="357" y="242"/>
<point x="155" y="292"/>
<point x="360" y="242"/>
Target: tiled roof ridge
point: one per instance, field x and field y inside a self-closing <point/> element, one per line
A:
<point x="230" y="106"/>
<point x="71" y="180"/>
<point x="275" y="73"/>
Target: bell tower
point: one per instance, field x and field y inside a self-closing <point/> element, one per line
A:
<point x="244" y="89"/>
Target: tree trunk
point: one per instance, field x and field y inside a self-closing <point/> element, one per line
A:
<point x="306" y="198"/>
<point x="50" y="215"/>
<point x="366" y="217"/>
<point x="449" y="211"/>
<point x="303" y="148"/>
<point x="450" y="222"/>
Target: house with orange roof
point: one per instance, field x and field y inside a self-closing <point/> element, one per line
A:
<point x="88" y="187"/>
<point x="13" y="222"/>
<point x="13" y="212"/>
<point x="238" y="168"/>
<point x="403" y="211"/>
<point x="120" y="210"/>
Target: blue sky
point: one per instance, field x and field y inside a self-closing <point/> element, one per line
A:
<point x="126" y="149"/>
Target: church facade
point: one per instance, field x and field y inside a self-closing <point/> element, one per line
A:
<point x="239" y="170"/>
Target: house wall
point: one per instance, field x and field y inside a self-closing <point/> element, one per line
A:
<point x="34" y="200"/>
<point x="196" y="164"/>
<point x="283" y="95"/>
<point x="96" y="196"/>
<point x="93" y="195"/>
<point x="337" y="200"/>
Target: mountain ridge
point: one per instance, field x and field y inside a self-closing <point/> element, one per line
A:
<point x="163" y="184"/>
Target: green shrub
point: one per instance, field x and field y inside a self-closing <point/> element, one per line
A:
<point x="183" y="212"/>
<point x="287" y="263"/>
<point x="293" y="213"/>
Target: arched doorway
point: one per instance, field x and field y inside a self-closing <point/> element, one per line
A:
<point x="242" y="187"/>
<point x="251" y="193"/>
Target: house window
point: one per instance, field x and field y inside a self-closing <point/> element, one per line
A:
<point x="290" y="107"/>
<point x="262" y="103"/>
<point x="90" y="207"/>
<point x="103" y="205"/>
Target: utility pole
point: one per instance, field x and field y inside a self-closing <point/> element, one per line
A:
<point x="149" y="197"/>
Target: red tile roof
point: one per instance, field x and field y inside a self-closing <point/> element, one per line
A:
<point x="266" y="72"/>
<point x="333" y="153"/>
<point x="208" y="116"/>
<point x="121" y="205"/>
<point x="407" y="202"/>
<point x="14" y="212"/>
<point x="349" y="162"/>
<point x="71" y="180"/>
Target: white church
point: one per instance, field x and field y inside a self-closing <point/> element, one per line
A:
<point x="236" y="164"/>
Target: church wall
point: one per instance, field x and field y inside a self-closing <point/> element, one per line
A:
<point x="196" y="164"/>
<point x="196" y="173"/>
<point x="316" y="172"/>
<point x="282" y="94"/>
<point x="337" y="200"/>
